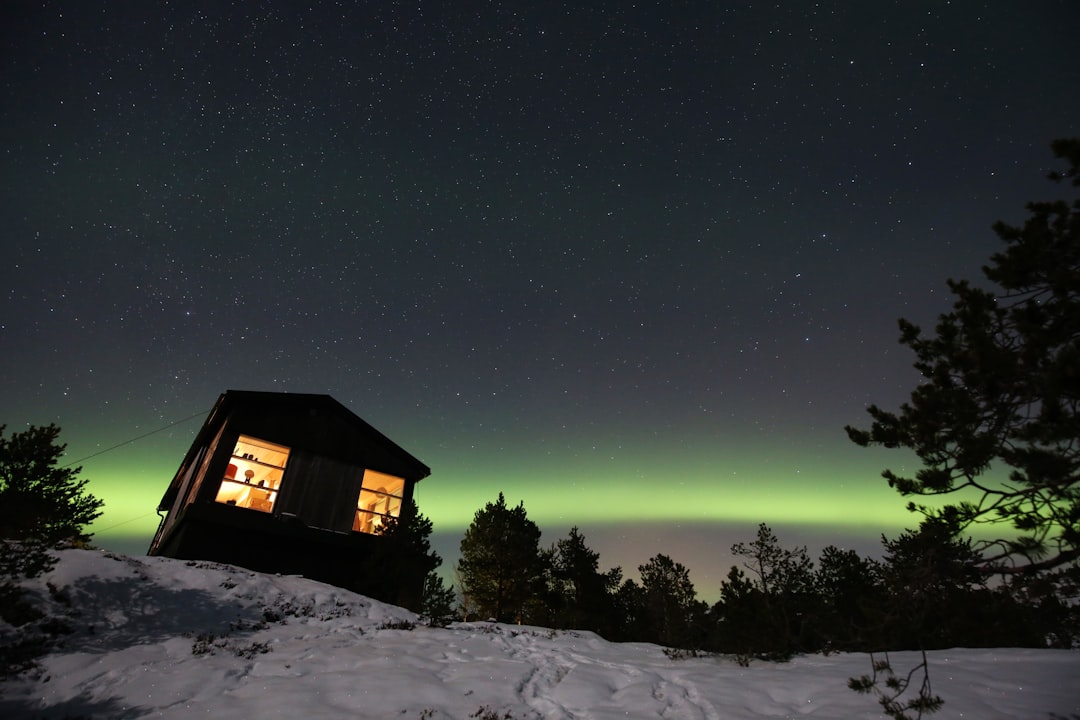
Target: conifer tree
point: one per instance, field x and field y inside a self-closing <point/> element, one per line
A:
<point x="673" y="612"/>
<point x="437" y="607"/>
<point x="785" y="581"/>
<point x="851" y="594"/>
<point x="996" y="422"/>
<point x="632" y="624"/>
<point x="396" y="569"/>
<point x="500" y="568"/>
<point x="584" y="595"/>
<point x="42" y="506"/>
<point x="738" y="616"/>
<point x="41" y="503"/>
<point x="936" y="596"/>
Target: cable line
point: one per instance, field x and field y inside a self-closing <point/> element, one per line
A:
<point x="123" y="522"/>
<point x="135" y="439"/>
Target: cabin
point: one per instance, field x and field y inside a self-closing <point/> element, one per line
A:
<point x="293" y="484"/>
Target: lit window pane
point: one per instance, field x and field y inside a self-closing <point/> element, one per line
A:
<point x="254" y="474"/>
<point x="380" y="498"/>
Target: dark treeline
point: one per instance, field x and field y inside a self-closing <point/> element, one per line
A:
<point x="1000" y="389"/>
<point x="925" y="592"/>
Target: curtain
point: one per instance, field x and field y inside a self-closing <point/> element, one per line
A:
<point x="320" y="491"/>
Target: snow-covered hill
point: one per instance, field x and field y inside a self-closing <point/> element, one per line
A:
<point x="170" y="639"/>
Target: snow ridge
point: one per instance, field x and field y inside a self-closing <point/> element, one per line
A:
<point x="173" y="639"/>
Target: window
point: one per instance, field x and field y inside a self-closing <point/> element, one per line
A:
<point x="380" y="498"/>
<point x="254" y="474"/>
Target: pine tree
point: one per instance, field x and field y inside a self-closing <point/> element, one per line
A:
<point x="437" y="607"/>
<point x="631" y="620"/>
<point x="785" y="579"/>
<point x="583" y="595"/>
<point x="42" y="506"/>
<point x="674" y="614"/>
<point x="850" y="591"/>
<point x="500" y="568"/>
<point x="738" y="617"/>
<point x="397" y="567"/>
<point x="996" y="421"/>
<point x="1001" y="392"/>
<point x="41" y="503"/>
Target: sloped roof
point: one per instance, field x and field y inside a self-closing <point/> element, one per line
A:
<point x="313" y="422"/>
<point x="307" y="407"/>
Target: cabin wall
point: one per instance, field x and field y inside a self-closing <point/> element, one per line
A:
<point x="187" y="485"/>
<point x="309" y="530"/>
<point x="322" y="434"/>
<point x="253" y="540"/>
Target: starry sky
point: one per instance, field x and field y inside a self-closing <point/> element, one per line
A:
<point x="633" y="264"/>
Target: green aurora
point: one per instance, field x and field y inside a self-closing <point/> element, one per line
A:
<point x="838" y="488"/>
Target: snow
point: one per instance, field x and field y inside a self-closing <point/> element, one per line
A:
<point x="165" y="638"/>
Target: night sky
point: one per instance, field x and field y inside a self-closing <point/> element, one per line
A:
<point x="634" y="265"/>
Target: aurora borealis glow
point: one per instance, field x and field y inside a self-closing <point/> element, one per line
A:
<point x="636" y="266"/>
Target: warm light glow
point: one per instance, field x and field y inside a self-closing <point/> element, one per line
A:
<point x="380" y="498"/>
<point x="254" y="474"/>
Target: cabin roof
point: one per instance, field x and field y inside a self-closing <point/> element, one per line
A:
<point x="308" y="405"/>
<point x="314" y="422"/>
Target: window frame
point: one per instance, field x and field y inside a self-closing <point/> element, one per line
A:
<point x="262" y="464"/>
<point x="378" y="489"/>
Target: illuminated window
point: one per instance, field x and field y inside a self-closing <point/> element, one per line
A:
<point x="254" y="474"/>
<point x="380" y="498"/>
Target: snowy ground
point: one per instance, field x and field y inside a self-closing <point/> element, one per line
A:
<point x="168" y="639"/>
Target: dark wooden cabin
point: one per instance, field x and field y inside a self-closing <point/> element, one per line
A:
<point x="292" y="484"/>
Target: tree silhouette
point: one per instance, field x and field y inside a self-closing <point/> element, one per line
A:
<point x="670" y="604"/>
<point x="583" y="596"/>
<point x="851" y="593"/>
<point x="738" y="615"/>
<point x="1001" y="391"/>
<point x="500" y="568"/>
<point x="783" y="593"/>
<point x="785" y="580"/>
<point x="42" y="506"/>
<point x="397" y="568"/>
